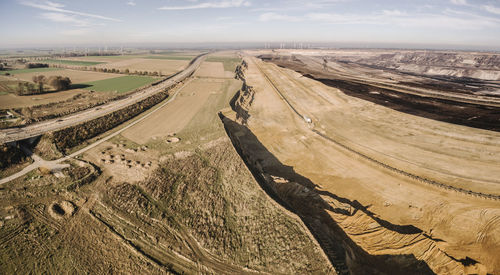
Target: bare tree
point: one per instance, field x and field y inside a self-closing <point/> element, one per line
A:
<point x="59" y="83"/>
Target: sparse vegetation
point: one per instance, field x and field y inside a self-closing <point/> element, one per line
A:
<point x="23" y="71"/>
<point x="10" y="155"/>
<point x="59" y="83"/>
<point x="229" y="63"/>
<point x="72" y="62"/>
<point x="120" y="84"/>
<point x="36" y="65"/>
<point x="170" y="57"/>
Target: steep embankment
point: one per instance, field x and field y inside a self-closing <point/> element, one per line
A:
<point x="353" y="237"/>
<point x="462" y="65"/>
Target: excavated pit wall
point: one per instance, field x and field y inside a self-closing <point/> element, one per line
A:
<point x="346" y="254"/>
<point x="393" y="169"/>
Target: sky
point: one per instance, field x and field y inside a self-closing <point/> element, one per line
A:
<point x="363" y="23"/>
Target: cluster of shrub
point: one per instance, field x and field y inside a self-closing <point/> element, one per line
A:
<point x="73" y="54"/>
<point x="126" y="71"/>
<point x="59" y="83"/>
<point x="111" y="70"/>
<point x="10" y="155"/>
<point x="36" y="65"/>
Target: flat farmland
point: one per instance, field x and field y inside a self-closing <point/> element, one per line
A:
<point x="76" y="76"/>
<point x="7" y="85"/>
<point x="206" y="122"/>
<point x="71" y="62"/>
<point x="11" y="100"/>
<point x="34" y="70"/>
<point x="150" y="65"/>
<point x="170" y="57"/>
<point x="211" y="69"/>
<point x="176" y="115"/>
<point x="101" y="82"/>
<point x="120" y="84"/>
<point x="229" y="60"/>
<point x="167" y="56"/>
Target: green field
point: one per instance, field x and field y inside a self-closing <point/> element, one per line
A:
<point x="120" y="84"/>
<point x="179" y="53"/>
<point x="170" y="57"/>
<point x="71" y="62"/>
<point x="8" y="86"/>
<point x="229" y="63"/>
<point x="106" y="57"/>
<point x="35" y="70"/>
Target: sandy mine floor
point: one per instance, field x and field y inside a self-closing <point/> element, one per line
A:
<point x="454" y="154"/>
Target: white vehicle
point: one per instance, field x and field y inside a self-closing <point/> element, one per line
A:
<point x="307" y="119"/>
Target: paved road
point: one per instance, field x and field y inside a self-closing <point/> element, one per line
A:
<point x="56" y="164"/>
<point x="36" y="129"/>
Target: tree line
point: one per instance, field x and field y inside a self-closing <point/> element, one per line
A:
<point x="126" y="71"/>
<point x="59" y="83"/>
<point x="110" y="70"/>
<point x="36" y="65"/>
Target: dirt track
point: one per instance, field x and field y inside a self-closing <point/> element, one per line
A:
<point x="380" y="133"/>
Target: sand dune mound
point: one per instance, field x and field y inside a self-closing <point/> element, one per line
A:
<point x="61" y="210"/>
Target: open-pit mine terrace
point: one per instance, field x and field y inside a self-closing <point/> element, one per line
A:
<point x="404" y="162"/>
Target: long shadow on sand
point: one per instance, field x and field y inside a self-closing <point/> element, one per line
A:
<point x="80" y="86"/>
<point x="344" y="254"/>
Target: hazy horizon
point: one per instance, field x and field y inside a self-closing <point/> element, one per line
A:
<point x="445" y="24"/>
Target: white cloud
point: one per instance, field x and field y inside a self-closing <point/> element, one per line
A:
<point x="297" y="5"/>
<point x="210" y="5"/>
<point x="491" y="9"/>
<point x="55" y="7"/>
<point x="64" y="18"/>
<point x="272" y="16"/>
<point x="394" y="13"/>
<point x="459" y="2"/>
<point x="75" y="32"/>
<point x="462" y="21"/>
<point x="223" y="18"/>
<point x="131" y="3"/>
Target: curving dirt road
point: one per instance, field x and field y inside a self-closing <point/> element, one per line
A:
<point x="39" y="162"/>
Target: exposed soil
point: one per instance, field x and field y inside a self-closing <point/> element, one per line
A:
<point x="359" y="196"/>
<point x="472" y="115"/>
<point x="188" y="206"/>
<point x="60" y="210"/>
